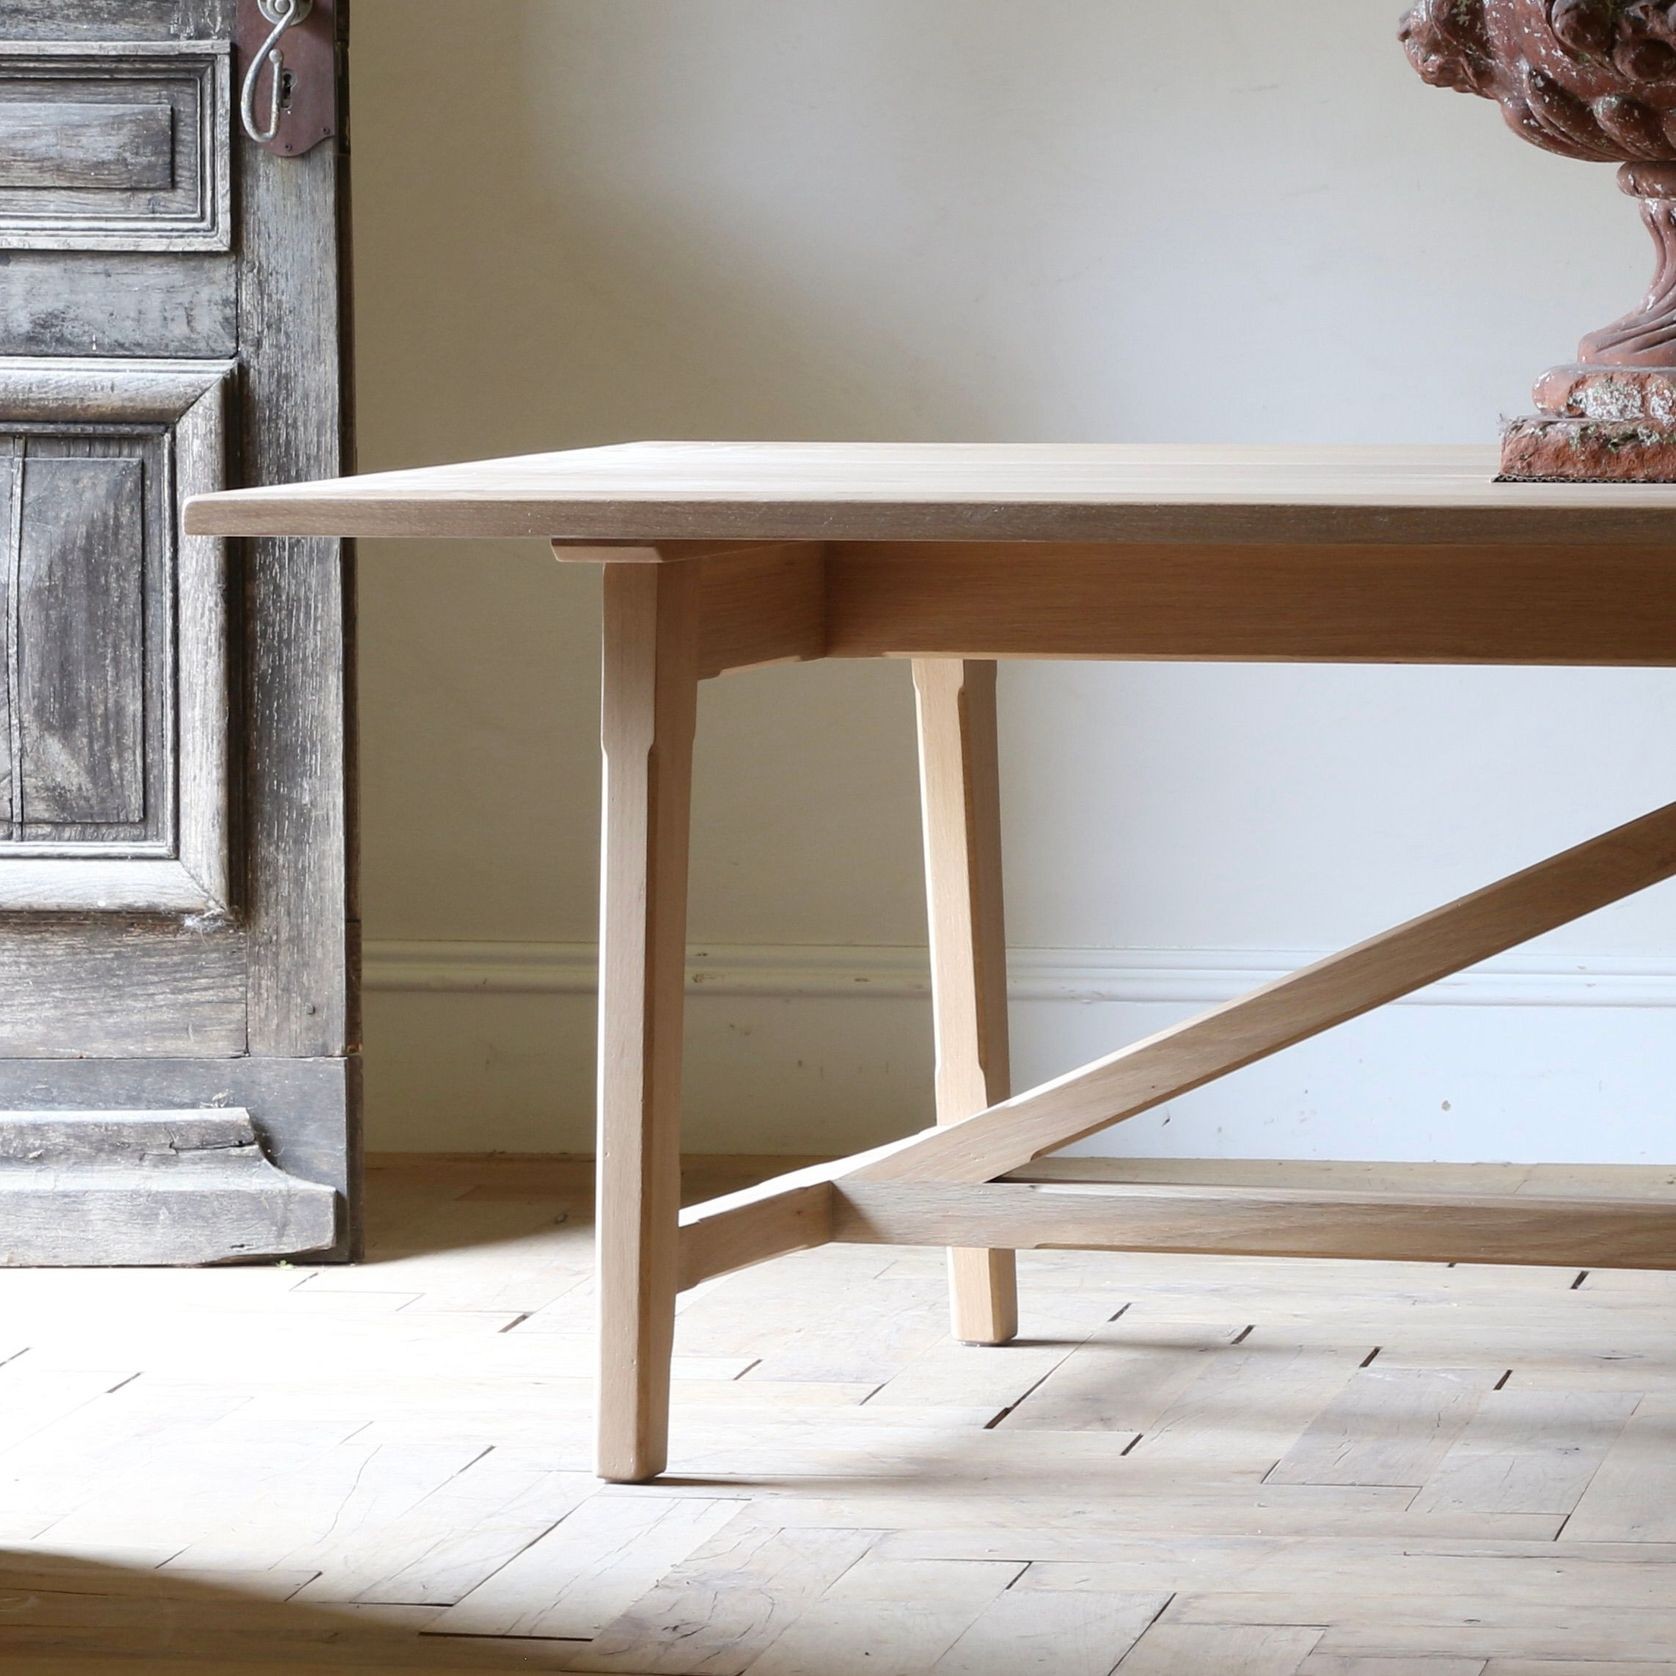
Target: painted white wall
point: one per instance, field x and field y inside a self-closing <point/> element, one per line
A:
<point x="581" y="221"/>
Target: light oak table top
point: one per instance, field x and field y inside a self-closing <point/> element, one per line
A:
<point x="791" y="491"/>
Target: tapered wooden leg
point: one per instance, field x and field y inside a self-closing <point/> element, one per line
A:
<point x="961" y="800"/>
<point x="649" y="708"/>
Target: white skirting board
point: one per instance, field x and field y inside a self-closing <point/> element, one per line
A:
<point x="1536" y="1057"/>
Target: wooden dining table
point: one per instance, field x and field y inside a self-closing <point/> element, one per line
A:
<point x="723" y="557"/>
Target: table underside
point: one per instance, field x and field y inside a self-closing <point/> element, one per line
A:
<point x="970" y="1183"/>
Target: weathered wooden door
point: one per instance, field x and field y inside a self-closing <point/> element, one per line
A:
<point x="177" y="992"/>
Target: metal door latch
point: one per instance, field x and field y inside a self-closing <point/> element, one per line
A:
<point x="288" y="48"/>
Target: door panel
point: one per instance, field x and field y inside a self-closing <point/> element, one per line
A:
<point x="102" y="21"/>
<point x="145" y="987"/>
<point x="112" y="304"/>
<point x="126" y="146"/>
<point x="176" y="814"/>
<point x="78" y="144"/>
<point x="114" y="640"/>
<point x="79" y="702"/>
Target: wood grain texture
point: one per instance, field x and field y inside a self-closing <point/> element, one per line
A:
<point x="1605" y="1181"/>
<point x="119" y="986"/>
<point x="123" y="145"/>
<point x="1528" y="1452"/>
<point x="11" y="547"/>
<point x="298" y="694"/>
<point x="1264" y="1222"/>
<point x="752" y="1226"/>
<point x="1281" y="1014"/>
<point x="117" y="20"/>
<point x="80" y="143"/>
<point x="420" y="1443"/>
<point x="1331" y="602"/>
<point x="1630" y="1499"/>
<point x="1387" y="1426"/>
<point x="921" y="1610"/>
<point x="668" y="491"/>
<point x="606" y="1555"/>
<point x="795" y="1211"/>
<point x="121" y="322"/>
<point x="150" y="1188"/>
<point x="204" y="709"/>
<point x="761" y="605"/>
<point x="1229" y="1649"/>
<point x="735" y="1596"/>
<point x="116" y="304"/>
<point x="117" y="639"/>
<point x="758" y="603"/>
<point x="649" y="712"/>
<point x="80" y="625"/>
<point x="302" y="1108"/>
<point x="774" y="1215"/>
<point x="960" y="802"/>
<point x="94" y="520"/>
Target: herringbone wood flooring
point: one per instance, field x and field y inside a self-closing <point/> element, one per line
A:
<point x="1188" y="1466"/>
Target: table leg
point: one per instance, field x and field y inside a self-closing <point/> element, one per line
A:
<point x="961" y="802"/>
<point x="649" y="705"/>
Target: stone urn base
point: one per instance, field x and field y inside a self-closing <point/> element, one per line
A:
<point x="1611" y="417"/>
<point x="1595" y="425"/>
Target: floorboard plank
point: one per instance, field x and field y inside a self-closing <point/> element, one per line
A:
<point x="1185" y="1465"/>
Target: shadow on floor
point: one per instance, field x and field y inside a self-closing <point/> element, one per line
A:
<point x="64" y="1613"/>
<point x="424" y="1204"/>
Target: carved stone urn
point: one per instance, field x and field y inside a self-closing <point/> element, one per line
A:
<point x="1593" y="79"/>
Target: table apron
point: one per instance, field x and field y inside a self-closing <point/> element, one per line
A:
<point x="1332" y="604"/>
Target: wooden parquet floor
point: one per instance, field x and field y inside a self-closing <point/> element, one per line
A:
<point x="1189" y="1466"/>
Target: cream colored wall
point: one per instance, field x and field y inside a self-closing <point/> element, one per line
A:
<point x="579" y="221"/>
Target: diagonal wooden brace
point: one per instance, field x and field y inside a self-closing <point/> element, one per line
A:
<point x="1341" y="987"/>
<point x="795" y="1212"/>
